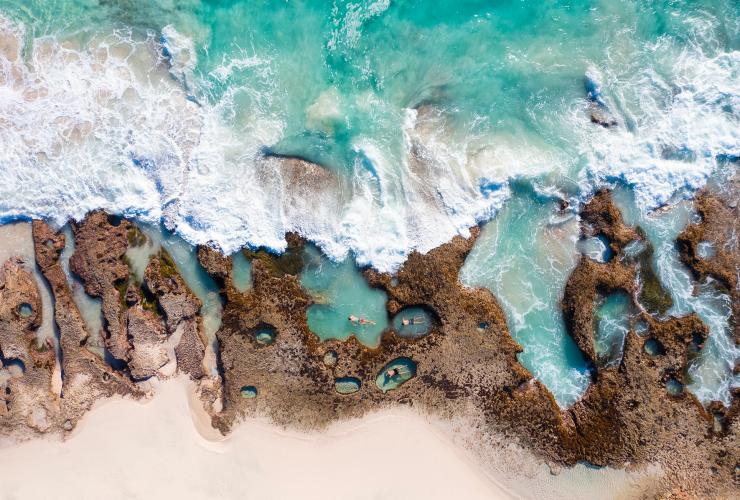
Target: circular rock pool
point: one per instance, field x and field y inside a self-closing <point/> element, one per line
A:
<point x="396" y="373"/>
<point x="413" y="322"/>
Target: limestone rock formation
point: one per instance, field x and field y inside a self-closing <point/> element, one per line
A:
<point x="86" y="378"/>
<point x="635" y="413"/>
<point x="100" y="244"/>
<point x="180" y="307"/>
<point x="28" y="403"/>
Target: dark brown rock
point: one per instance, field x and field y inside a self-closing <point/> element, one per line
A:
<point x="587" y="281"/>
<point x="467" y="366"/>
<point x="719" y="227"/>
<point x="600" y="216"/>
<point x="625" y="417"/>
<point x="601" y="116"/>
<point x="296" y="387"/>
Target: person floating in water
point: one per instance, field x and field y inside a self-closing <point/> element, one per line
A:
<point x="391" y="372"/>
<point x="359" y="321"/>
<point x="416" y="320"/>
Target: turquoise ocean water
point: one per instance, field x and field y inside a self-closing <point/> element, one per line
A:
<point x="432" y="116"/>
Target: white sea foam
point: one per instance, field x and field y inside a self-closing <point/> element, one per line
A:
<point x="680" y="125"/>
<point x="348" y="24"/>
<point x="103" y="124"/>
<point x="180" y="52"/>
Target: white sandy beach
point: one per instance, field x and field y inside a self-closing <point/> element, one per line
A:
<point x="124" y="449"/>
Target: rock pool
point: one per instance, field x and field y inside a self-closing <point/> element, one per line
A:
<point x="396" y="373"/>
<point x="413" y="322"/>
<point x="344" y="304"/>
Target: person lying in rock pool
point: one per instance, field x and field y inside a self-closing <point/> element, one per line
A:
<point x="361" y="321"/>
<point x="416" y="320"/>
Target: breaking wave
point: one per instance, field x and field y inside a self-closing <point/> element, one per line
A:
<point x="124" y="122"/>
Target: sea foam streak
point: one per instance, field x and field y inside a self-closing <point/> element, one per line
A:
<point x="117" y="122"/>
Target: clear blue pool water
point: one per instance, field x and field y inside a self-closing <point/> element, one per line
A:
<point x="241" y="272"/>
<point x="413" y="322"/>
<point x="612" y="317"/>
<point x="339" y="292"/>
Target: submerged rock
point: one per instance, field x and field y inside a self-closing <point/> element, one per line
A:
<point x="674" y="387"/>
<point x="653" y="347"/>
<point x="264" y="334"/>
<point x="600" y="115"/>
<point x="331" y="358"/>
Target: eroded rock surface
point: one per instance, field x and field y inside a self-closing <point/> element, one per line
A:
<point x="180" y="307"/>
<point x="27" y="401"/>
<point x="86" y="378"/>
<point x="296" y="386"/>
<point x="632" y="415"/>
<point x="711" y="247"/>
<point x="141" y="324"/>
<point x="100" y="244"/>
<point x="628" y="415"/>
<point x="467" y="365"/>
<point x="148" y="353"/>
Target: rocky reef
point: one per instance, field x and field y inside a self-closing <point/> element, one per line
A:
<point x="269" y="364"/>
<point x="27" y="401"/>
<point x="147" y="327"/>
<point x="630" y="414"/>
<point x="711" y="247"/>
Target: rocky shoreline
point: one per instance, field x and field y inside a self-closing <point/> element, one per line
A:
<point x="467" y="365"/>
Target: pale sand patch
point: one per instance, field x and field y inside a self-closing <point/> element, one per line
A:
<point x="124" y="449"/>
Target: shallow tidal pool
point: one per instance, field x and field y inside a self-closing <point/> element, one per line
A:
<point x="339" y="293"/>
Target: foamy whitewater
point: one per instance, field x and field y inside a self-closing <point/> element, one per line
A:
<point x="154" y="124"/>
